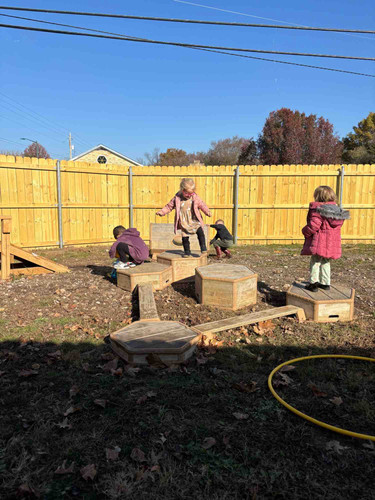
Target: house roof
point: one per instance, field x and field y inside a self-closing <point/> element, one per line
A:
<point x="101" y="146"/>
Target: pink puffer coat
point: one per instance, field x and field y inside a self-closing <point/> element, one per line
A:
<point x="175" y="203"/>
<point x="323" y="230"/>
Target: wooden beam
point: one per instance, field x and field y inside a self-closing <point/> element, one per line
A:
<point x="250" y="319"/>
<point x="30" y="271"/>
<point x="5" y="247"/>
<point x="38" y="260"/>
<point x="147" y="306"/>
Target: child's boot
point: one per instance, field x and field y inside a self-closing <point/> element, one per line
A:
<point x="228" y="255"/>
<point x="202" y="242"/>
<point x="218" y="253"/>
<point x="186" y="245"/>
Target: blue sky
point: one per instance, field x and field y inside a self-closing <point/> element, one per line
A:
<point x="135" y="97"/>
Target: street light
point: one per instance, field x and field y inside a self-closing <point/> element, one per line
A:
<point x="35" y="142"/>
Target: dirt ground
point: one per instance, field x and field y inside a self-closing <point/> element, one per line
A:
<point x="80" y="424"/>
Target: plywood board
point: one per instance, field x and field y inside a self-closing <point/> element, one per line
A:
<point x="161" y="236"/>
<point x="147" y="305"/>
<point x="250" y="319"/>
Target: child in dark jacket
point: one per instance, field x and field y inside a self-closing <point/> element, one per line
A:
<point x="128" y="247"/>
<point x="222" y="241"/>
<point x="323" y="236"/>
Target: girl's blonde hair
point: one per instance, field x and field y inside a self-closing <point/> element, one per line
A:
<point x="187" y="182"/>
<point x="324" y="194"/>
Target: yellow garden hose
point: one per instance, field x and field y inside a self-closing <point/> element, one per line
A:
<point x="303" y="415"/>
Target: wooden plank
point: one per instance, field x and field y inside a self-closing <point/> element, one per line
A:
<point x="5" y="248"/>
<point x="249" y="319"/>
<point x="147" y="306"/>
<point x="38" y="260"/>
<point x="29" y="271"/>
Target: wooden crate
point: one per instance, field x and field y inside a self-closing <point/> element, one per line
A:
<point x="143" y="342"/>
<point x="159" y="275"/>
<point x="324" y="306"/>
<point x="161" y="239"/>
<point x="182" y="268"/>
<point x="226" y="286"/>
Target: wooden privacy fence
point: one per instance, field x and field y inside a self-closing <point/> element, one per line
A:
<point x="55" y="203"/>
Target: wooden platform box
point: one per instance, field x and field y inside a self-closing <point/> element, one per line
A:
<point x="324" y="306"/>
<point x="226" y="286"/>
<point x="159" y="275"/>
<point x="161" y="239"/>
<point x="171" y="341"/>
<point x="182" y="268"/>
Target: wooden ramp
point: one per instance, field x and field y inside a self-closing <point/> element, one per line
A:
<point x="15" y="260"/>
<point x="147" y="306"/>
<point x="251" y="319"/>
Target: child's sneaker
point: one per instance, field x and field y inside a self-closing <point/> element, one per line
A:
<point x="121" y="265"/>
<point x="132" y="264"/>
<point x="312" y="287"/>
<point x="187" y="256"/>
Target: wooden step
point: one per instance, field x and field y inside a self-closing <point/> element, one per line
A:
<point x="147" y="306"/>
<point x="250" y="319"/>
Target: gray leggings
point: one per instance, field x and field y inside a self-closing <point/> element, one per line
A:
<point x="222" y="243"/>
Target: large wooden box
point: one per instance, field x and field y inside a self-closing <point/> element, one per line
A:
<point x="181" y="267"/>
<point x="324" y="306"/>
<point x="146" y="342"/>
<point x="158" y="275"/>
<point x="161" y="239"/>
<point x="226" y="286"/>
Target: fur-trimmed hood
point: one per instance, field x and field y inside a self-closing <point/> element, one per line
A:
<point x="333" y="212"/>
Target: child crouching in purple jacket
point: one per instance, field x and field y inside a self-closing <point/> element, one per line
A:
<point x="129" y="248"/>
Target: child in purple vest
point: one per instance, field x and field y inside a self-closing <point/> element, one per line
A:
<point x="188" y="219"/>
<point x="128" y="247"/>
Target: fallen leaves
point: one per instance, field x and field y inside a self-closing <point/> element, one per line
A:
<point x="137" y="455"/>
<point x="63" y="469"/>
<point x="64" y="424"/>
<point x="240" y="416"/>
<point x="73" y="391"/>
<point x="317" y="392"/>
<point x="88" y="472"/>
<point x="265" y="328"/>
<point x="27" y="373"/>
<point x="336" y="400"/>
<point x="112" y="454"/>
<point x="246" y="387"/>
<point x="101" y="402"/>
<point x="144" y="398"/>
<point x="208" y="443"/>
<point x="336" y="447"/>
<point x="72" y="409"/>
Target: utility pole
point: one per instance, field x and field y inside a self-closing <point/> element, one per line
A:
<point x="70" y="146"/>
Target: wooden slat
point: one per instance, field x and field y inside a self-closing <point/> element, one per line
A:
<point x="250" y="319"/>
<point x="147" y="305"/>
<point x="30" y="271"/>
<point x="38" y="260"/>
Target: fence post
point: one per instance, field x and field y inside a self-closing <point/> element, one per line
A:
<point x="342" y="175"/>
<point x="131" y="221"/>
<point x="235" y="204"/>
<point x="59" y="205"/>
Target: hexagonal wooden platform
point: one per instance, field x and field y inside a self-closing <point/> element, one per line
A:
<point x="171" y="341"/>
<point x="324" y="306"/>
<point x="226" y="286"/>
<point x="159" y="275"/>
<point x="181" y="267"/>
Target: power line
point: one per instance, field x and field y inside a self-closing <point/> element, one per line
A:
<point x="189" y="45"/>
<point x="56" y="126"/>
<point x="205" y="50"/>
<point x="189" y="21"/>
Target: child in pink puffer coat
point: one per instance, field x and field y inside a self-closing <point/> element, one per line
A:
<point x="188" y="219"/>
<point x="323" y="236"/>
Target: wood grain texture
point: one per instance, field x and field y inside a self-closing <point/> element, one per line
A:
<point x="324" y="306"/>
<point x="181" y="267"/>
<point x="247" y="319"/>
<point x="158" y="275"/>
<point x="147" y="305"/>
